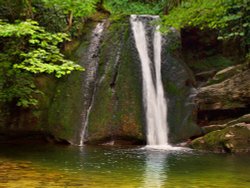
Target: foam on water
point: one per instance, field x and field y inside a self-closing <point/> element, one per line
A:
<point x="166" y="147"/>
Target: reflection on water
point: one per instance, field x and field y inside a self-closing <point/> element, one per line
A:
<point x="155" y="169"/>
<point x="95" y="167"/>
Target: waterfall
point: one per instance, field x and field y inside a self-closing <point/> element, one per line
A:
<point x="154" y="100"/>
<point x="89" y="86"/>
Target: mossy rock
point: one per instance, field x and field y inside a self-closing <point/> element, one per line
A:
<point x="232" y="93"/>
<point x="245" y="119"/>
<point x="64" y="114"/>
<point x="233" y="139"/>
<point x="178" y="82"/>
<point x="117" y="110"/>
<point x="242" y="119"/>
<point x="227" y="73"/>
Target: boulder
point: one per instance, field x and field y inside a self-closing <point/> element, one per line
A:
<point x="232" y="139"/>
<point x="232" y="93"/>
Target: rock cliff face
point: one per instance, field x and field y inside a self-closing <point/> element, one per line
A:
<point x="117" y="113"/>
<point x="117" y="110"/>
<point x="223" y="90"/>
<point x="228" y="97"/>
<point x="220" y="108"/>
<point x="108" y="95"/>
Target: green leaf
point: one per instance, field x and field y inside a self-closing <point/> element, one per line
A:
<point x="29" y="50"/>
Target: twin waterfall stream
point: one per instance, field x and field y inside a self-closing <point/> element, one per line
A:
<point x="153" y="94"/>
<point x="148" y="42"/>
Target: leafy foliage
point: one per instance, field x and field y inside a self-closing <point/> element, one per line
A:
<point x="80" y="8"/>
<point x="73" y="8"/>
<point x="230" y="17"/>
<point x="28" y="49"/>
<point x="54" y="15"/>
<point x="127" y="7"/>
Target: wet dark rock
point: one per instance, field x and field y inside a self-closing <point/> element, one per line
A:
<point x="204" y="76"/>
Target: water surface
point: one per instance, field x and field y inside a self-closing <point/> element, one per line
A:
<point x="89" y="166"/>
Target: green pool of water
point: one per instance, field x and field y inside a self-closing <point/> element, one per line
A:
<point x="89" y="166"/>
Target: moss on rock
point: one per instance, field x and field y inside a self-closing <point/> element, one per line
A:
<point x="64" y="114"/>
<point x="178" y="82"/>
<point x="242" y="119"/>
<point x="233" y="139"/>
<point x="117" y="109"/>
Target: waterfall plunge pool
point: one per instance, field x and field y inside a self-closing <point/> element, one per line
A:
<point x="98" y="166"/>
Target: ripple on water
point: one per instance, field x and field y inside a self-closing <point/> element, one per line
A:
<point x="46" y="167"/>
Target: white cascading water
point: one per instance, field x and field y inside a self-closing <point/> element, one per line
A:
<point x="153" y="94"/>
<point x="90" y="77"/>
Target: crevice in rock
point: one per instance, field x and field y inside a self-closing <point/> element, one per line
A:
<point x="116" y="66"/>
<point x="205" y="117"/>
<point x="226" y="149"/>
<point x="115" y="75"/>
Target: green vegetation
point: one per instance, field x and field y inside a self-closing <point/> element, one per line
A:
<point x="28" y="49"/>
<point x="216" y="62"/>
<point x="127" y="7"/>
<point x="229" y="17"/>
<point x="54" y="15"/>
<point x="72" y="8"/>
<point x="232" y="139"/>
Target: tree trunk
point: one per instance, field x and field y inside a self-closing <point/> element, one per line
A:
<point x="69" y="20"/>
<point x="28" y="9"/>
